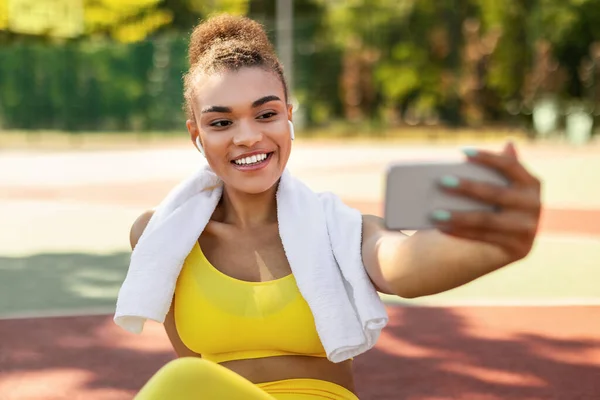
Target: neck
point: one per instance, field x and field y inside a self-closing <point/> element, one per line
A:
<point x="248" y="210"/>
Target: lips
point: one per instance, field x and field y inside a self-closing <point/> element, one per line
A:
<point x="252" y="161"/>
<point x="251" y="158"/>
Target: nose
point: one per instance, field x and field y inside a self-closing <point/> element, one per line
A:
<point x="247" y="135"/>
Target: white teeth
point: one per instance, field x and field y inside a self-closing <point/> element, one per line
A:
<point x="251" y="160"/>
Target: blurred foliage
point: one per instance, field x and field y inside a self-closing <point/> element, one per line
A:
<point x="208" y="7"/>
<point x="415" y="62"/>
<point x="122" y="20"/>
<point x="3" y="14"/>
<point x="125" y="20"/>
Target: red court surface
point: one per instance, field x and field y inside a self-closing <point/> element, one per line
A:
<point x="425" y="354"/>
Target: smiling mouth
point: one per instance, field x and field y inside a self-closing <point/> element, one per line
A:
<point x="254" y="160"/>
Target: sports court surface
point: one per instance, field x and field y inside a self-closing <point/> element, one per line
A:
<point x="528" y="332"/>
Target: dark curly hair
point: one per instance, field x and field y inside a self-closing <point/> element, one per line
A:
<point x="227" y="42"/>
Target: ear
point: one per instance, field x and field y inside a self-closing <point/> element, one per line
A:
<point x="194" y="134"/>
<point x="192" y="129"/>
<point x="290" y="109"/>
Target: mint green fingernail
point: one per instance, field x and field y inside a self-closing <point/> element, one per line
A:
<point x="449" y="181"/>
<point x="441" y="215"/>
<point x="470" y="152"/>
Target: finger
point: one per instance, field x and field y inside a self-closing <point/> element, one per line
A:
<point x="510" y="150"/>
<point x="507" y="197"/>
<point x="502" y="222"/>
<point x="507" y="165"/>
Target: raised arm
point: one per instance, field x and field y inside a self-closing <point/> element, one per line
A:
<point x="466" y="245"/>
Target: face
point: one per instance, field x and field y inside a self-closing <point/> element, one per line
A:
<point x="242" y="118"/>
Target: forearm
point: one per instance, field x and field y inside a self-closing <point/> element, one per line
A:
<point x="431" y="262"/>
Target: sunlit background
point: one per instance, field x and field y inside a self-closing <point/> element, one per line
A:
<point x="92" y="133"/>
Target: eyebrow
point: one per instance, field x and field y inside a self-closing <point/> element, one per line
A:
<point x="257" y="103"/>
<point x="219" y="109"/>
<point x="264" y="100"/>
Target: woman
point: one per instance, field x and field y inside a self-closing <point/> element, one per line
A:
<point x="240" y="119"/>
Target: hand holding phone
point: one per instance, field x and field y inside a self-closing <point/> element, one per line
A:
<point x="490" y="198"/>
<point x="414" y="191"/>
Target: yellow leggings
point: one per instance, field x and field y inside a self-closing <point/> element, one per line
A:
<point x="190" y="378"/>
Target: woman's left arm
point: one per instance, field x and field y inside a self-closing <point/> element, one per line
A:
<point x="466" y="245"/>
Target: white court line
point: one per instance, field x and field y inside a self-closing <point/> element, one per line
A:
<point x="443" y="303"/>
<point x="388" y="300"/>
<point x="68" y="312"/>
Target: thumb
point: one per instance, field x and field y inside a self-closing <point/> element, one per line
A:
<point x="510" y="150"/>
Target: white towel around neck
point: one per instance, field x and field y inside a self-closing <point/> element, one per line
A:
<point x="322" y="240"/>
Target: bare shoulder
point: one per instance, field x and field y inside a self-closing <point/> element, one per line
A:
<point x="138" y="227"/>
<point x="373" y="221"/>
<point x="373" y="226"/>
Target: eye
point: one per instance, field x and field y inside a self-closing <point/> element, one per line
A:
<point x="267" y="115"/>
<point x="221" y="123"/>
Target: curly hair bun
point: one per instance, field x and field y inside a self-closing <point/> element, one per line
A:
<point x="227" y="31"/>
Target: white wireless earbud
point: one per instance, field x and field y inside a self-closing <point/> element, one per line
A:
<point x="199" y="145"/>
<point x="291" y="129"/>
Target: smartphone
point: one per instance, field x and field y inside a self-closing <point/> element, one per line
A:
<point x="413" y="192"/>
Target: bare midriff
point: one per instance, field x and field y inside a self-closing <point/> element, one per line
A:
<point x="293" y="367"/>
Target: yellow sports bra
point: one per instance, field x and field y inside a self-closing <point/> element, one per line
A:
<point x="224" y="318"/>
